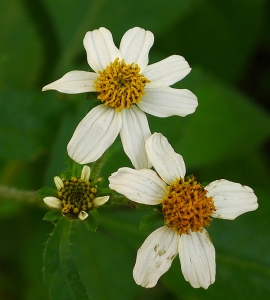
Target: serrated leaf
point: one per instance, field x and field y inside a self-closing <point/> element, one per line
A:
<point x="46" y="192"/>
<point x="52" y="215"/>
<point x="105" y="263"/>
<point x="150" y="220"/>
<point x="60" y="271"/>
<point x="91" y="222"/>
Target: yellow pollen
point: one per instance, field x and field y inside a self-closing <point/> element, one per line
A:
<point x="120" y="85"/>
<point x="186" y="206"/>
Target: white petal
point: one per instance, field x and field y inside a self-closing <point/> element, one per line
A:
<point x="74" y="82"/>
<point x="155" y="256"/>
<point x="135" y="46"/>
<point x="168" y="164"/>
<point x="58" y="182"/>
<point x="142" y="186"/>
<point x="94" y="134"/>
<point x="82" y="215"/>
<point x="231" y="199"/>
<point x="100" y="49"/>
<point x="134" y="132"/>
<point x="166" y="102"/>
<point x="197" y="258"/>
<point x="98" y="201"/>
<point x="53" y="202"/>
<point x="86" y="171"/>
<point x="167" y="71"/>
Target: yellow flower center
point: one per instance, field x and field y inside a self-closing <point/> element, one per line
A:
<point x="120" y="85"/>
<point x="186" y="206"/>
<point x="76" y="195"/>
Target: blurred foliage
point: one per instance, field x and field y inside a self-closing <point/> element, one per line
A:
<point x="227" y="45"/>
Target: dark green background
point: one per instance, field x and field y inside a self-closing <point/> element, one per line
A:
<point x="227" y="44"/>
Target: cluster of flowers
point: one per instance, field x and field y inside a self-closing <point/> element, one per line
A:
<point x="128" y="88"/>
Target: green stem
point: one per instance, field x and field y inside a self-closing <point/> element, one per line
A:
<point x="9" y="193"/>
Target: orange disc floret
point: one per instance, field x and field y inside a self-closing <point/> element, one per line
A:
<point x="186" y="206"/>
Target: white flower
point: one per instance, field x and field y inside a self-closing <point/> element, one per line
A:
<point x="186" y="207"/>
<point x="75" y="196"/>
<point x="128" y="88"/>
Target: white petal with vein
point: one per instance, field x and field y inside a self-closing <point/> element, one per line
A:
<point x="142" y="186"/>
<point x="86" y="171"/>
<point x="98" y="201"/>
<point x="168" y="164"/>
<point x="94" y="134"/>
<point x="100" y="49"/>
<point x="135" y="46"/>
<point x="53" y="202"/>
<point x="58" y="183"/>
<point x="155" y="256"/>
<point x="197" y="258"/>
<point x="167" y="71"/>
<point x="231" y="199"/>
<point x="166" y="102"/>
<point x="134" y="132"/>
<point x="73" y="82"/>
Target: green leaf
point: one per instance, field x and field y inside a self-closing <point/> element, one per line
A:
<point x="20" y="59"/>
<point x="52" y="215"/>
<point x="86" y="16"/>
<point x="222" y="125"/>
<point x="91" y="222"/>
<point x="220" y="20"/>
<point x="27" y="124"/>
<point x="46" y="192"/>
<point x="61" y="274"/>
<point x="105" y="264"/>
<point x="150" y="220"/>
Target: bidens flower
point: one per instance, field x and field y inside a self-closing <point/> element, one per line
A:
<point x="187" y="207"/>
<point x="75" y="196"/>
<point x="127" y="88"/>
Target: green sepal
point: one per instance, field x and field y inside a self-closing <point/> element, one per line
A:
<point x="52" y="215"/>
<point x="74" y="169"/>
<point x="104" y="192"/>
<point x="46" y="192"/>
<point x="91" y="222"/>
<point x="151" y="219"/>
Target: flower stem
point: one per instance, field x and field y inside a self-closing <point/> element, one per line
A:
<point x="10" y="193"/>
